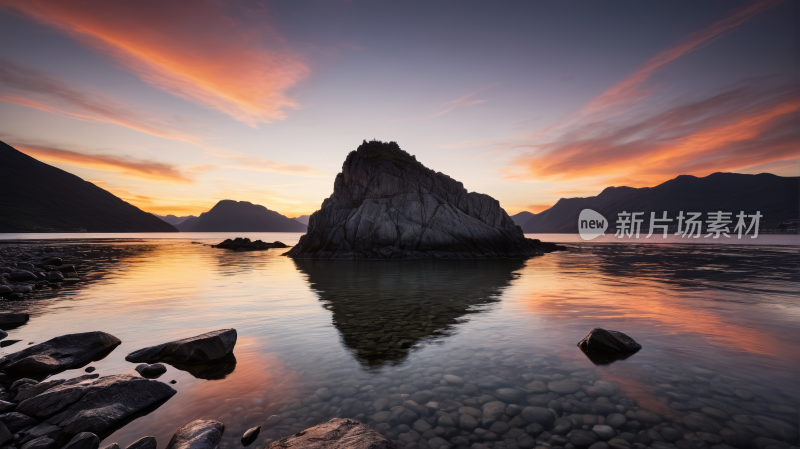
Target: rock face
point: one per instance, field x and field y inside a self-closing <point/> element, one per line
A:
<point x="337" y="433"/>
<point x="60" y="353"/>
<point x="199" y="434"/>
<point x="386" y="205"/>
<point x="603" y="342"/>
<point x="98" y="406"/>
<point x="203" y="348"/>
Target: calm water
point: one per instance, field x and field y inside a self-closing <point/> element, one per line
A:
<point x="713" y="320"/>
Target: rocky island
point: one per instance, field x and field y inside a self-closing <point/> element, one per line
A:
<point x="387" y="205"/>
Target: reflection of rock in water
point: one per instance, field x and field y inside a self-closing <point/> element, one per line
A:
<point x="728" y="267"/>
<point x="218" y="369"/>
<point x="382" y="309"/>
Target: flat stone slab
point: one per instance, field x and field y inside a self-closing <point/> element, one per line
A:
<point x="338" y="433"/>
<point x="60" y="353"/>
<point x="203" y="348"/>
<point x="98" y="406"/>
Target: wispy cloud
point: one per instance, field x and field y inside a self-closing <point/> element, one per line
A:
<point x="217" y="55"/>
<point x="124" y="166"/>
<point x="614" y="140"/>
<point x="33" y="88"/>
<point x="744" y="126"/>
<point x="466" y="100"/>
<point x="632" y="89"/>
<point x="273" y="166"/>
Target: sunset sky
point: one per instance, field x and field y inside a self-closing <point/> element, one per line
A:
<point x="176" y="105"/>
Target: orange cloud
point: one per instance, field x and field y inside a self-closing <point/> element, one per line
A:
<point x="32" y="88"/>
<point x="749" y="125"/>
<point x="201" y="51"/>
<point x="630" y="89"/>
<point x="536" y="208"/>
<point x="127" y="167"/>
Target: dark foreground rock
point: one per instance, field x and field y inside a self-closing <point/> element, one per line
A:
<point x="250" y="436"/>
<point x="338" y="433"/>
<point x="100" y="406"/>
<point x="244" y="244"/>
<point x="83" y="440"/>
<point x="203" y="348"/>
<point x="604" y="346"/>
<point x="8" y="320"/>
<point x="386" y="205"/>
<point x="60" y="353"/>
<point x="199" y="434"/>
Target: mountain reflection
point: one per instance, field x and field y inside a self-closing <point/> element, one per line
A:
<point x="384" y="308"/>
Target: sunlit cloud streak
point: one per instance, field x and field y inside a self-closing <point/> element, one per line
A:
<point x="202" y="51"/>
<point x="741" y="127"/>
<point x="33" y="88"/>
<point x="631" y="89"/>
<point x="612" y="140"/>
<point x="124" y="166"/>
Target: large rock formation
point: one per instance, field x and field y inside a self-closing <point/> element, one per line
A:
<point x="386" y="205"/>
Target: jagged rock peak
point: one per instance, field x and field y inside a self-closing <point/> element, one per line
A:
<point x="387" y="205"/>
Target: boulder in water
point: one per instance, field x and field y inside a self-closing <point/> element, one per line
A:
<point x="203" y="348"/>
<point x="198" y="434"/>
<point x="605" y="346"/>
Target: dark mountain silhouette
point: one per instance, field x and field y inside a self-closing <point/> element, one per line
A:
<point x="36" y="197"/>
<point x="777" y="198"/>
<point x="521" y="218"/>
<point x="240" y="216"/>
<point x="302" y="219"/>
<point x="174" y="220"/>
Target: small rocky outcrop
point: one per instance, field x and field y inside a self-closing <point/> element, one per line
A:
<point x="604" y="346"/>
<point x="199" y="434"/>
<point x="387" y="205"/>
<point x="244" y="244"/>
<point x="208" y="347"/>
<point x="98" y="406"/>
<point x="338" y="433"/>
<point x="59" y="353"/>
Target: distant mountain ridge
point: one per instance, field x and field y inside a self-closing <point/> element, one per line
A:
<point x="777" y="198"/>
<point x="240" y="216"/>
<point x="173" y="220"/>
<point x="302" y="219"/>
<point x="37" y="197"/>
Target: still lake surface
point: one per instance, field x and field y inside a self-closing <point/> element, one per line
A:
<point x="718" y="322"/>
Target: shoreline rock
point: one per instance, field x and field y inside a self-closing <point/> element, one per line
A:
<point x="59" y="353"/>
